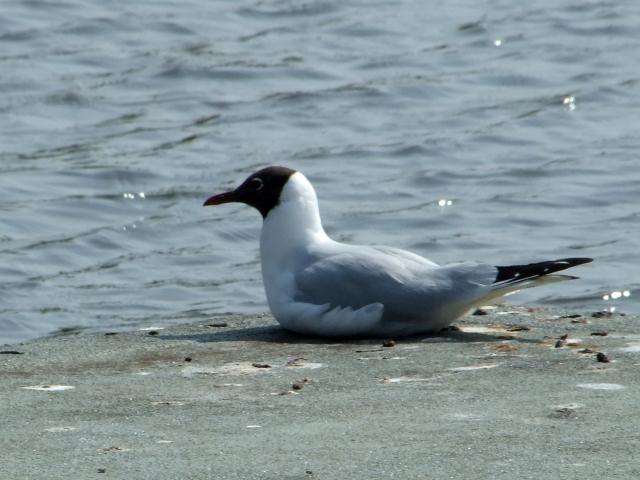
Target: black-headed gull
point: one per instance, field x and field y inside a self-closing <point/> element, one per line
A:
<point x="318" y="286"/>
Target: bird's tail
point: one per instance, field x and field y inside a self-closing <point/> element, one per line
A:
<point x="517" y="277"/>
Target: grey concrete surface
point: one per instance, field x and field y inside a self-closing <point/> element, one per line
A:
<point x="493" y="401"/>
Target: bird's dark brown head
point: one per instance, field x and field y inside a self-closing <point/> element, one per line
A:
<point x="261" y="190"/>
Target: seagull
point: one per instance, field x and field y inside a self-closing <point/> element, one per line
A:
<point x="317" y="286"/>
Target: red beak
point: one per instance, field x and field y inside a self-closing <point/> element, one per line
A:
<point x="222" y="198"/>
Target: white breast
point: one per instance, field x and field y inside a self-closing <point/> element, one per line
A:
<point x="292" y="236"/>
<point x="289" y="231"/>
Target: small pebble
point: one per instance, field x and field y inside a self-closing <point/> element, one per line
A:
<point x="218" y="324"/>
<point x="480" y="311"/>
<point x="113" y="450"/>
<point x="573" y="315"/>
<point x="586" y="350"/>
<point x="10" y="352"/>
<point x="153" y="332"/>
<point x="564" y="337"/>
<point x="295" y="361"/>
<point x="600" y="333"/>
<point x="285" y="393"/>
<point x="451" y="328"/>
<point x="187" y="359"/>
<point x="110" y="333"/>
<point x="602" y="314"/>
<point x="517" y="328"/>
<point x="602" y="357"/>
<point x="297" y="386"/>
<point x="560" y="343"/>
<point x="260" y="365"/>
<point x="504" y="347"/>
<point x="102" y="470"/>
<point x="389" y="343"/>
<point x="564" y="412"/>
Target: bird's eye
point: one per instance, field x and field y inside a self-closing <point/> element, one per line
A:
<point x="256" y="184"/>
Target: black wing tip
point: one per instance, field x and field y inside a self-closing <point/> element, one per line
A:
<point x="575" y="261"/>
<point x="518" y="273"/>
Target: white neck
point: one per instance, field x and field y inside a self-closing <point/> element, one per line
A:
<point x="293" y="225"/>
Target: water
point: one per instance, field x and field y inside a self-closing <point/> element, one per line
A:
<point x="481" y="130"/>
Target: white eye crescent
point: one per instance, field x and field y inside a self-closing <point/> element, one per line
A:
<point x="257" y="184"/>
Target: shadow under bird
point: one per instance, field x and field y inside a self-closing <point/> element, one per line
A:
<point x="318" y="286"/>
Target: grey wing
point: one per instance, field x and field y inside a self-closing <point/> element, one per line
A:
<point x="358" y="278"/>
<point x="405" y="256"/>
<point x="407" y="286"/>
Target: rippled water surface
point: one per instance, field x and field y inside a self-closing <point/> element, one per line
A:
<point x="488" y="130"/>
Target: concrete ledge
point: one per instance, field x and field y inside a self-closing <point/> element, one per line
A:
<point x="505" y="398"/>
